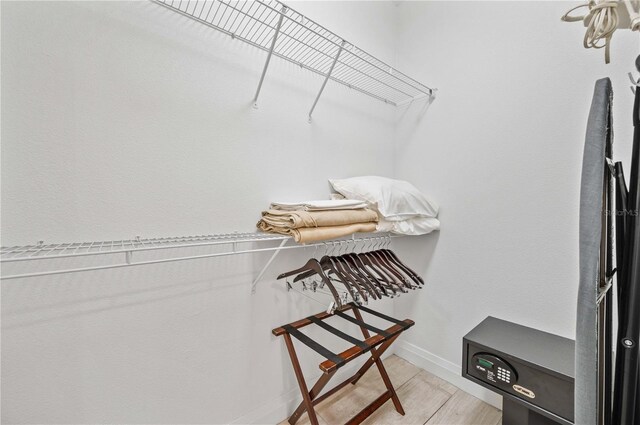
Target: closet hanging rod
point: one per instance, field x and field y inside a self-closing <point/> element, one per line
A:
<point x="281" y="31"/>
<point x="129" y="247"/>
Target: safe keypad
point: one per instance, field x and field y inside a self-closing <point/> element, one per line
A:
<point x="504" y="375"/>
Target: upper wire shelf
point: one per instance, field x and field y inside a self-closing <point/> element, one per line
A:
<point x="280" y="30"/>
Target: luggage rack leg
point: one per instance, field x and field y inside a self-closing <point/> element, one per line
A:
<point x="306" y="398"/>
<point x="313" y="394"/>
<point x="375" y="358"/>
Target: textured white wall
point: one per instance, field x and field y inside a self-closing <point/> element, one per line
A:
<point x="123" y="119"/>
<point x="501" y="150"/>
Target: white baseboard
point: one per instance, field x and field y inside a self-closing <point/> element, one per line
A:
<point x="446" y="370"/>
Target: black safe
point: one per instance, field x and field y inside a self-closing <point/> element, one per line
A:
<point x="531" y="369"/>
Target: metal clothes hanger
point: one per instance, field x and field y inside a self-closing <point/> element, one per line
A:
<point x="374" y="272"/>
<point x="393" y="271"/>
<point x="369" y="280"/>
<point x="413" y="275"/>
<point x="387" y="279"/>
<point x="383" y="281"/>
<point x="329" y="264"/>
<point x="355" y="279"/>
<point x="314" y="265"/>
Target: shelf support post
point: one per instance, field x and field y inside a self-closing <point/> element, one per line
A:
<point x="266" y="64"/>
<point x="266" y="266"/>
<point x="326" y="78"/>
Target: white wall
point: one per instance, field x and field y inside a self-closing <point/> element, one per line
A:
<point x="123" y="119"/>
<point x="500" y="149"/>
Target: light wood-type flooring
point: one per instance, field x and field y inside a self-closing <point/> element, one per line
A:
<point x="427" y="400"/>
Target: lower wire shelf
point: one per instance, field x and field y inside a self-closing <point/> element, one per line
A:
<point x="120" y="253"/>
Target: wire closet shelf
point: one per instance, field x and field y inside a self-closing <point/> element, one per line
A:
<point x="279" y="30"/>
<point x="168" y="251"/>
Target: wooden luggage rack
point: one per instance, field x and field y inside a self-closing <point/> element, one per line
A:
<point x="376" y="344"/>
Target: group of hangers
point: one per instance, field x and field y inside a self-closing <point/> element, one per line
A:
<point x="370" y="274"/>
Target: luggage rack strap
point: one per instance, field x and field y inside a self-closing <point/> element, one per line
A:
<point x="305" y="322"/>
<point x="336" y="360"/>
<point x="327" y="354"/>
<point x="363" y="324"/>
<point x="339" y="333"/>
<point x="354" y="352"/>
<point x="383" y="316"/>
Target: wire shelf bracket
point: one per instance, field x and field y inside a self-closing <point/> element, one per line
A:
<point x="324" y="83"/>
<point x="266" y="266"/>
<point x="281" y="31"/>
<point x="266" y="64"/>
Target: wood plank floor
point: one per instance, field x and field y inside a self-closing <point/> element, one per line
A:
<point x="427" y="400"/>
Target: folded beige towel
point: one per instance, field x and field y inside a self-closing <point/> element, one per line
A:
<point x="299" y="219"/>
<point x="315" y="234"/>
<point x="328" y="204"/>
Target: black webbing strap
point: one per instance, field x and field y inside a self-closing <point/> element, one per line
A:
<point x="383" y="316"/>
<point x="338" y="332"/>
<point x="363" y="324"/>
<point x="329" y="355"/>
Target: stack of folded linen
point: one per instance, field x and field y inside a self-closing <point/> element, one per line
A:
<point x="318" y="220"/>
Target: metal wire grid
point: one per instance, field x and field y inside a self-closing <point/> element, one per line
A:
<point x="304" y="43"/>
<point x="237" y="241"/>
<point x="78" y="249"/>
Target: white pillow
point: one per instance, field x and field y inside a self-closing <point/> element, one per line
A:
<point x="410" y="226"/>
<point x="395" y="199"/>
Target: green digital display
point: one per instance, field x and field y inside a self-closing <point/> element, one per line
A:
<point x="485" y="363"/>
